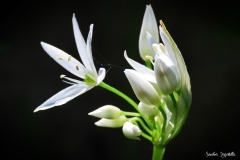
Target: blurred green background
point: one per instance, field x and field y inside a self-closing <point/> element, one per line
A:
<point x="206" y="32"/>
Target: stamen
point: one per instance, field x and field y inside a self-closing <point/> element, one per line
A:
<point x="60" y="58"/>
<point x="162" y="47"/>
<point x="77" y="68"/>
<point x="62" y="76"/>
<point x="69" y="58"/>
<point x="150" y="58"/>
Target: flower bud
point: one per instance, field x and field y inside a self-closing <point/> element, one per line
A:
<point x="148" y="111"/>
<point x="107" y="111"/>
<point x="112" y="123"/>
<point x="149" y="25"/>
<point x="144" y="91"/>
<point x="131" y="131"/>
<point x="166" y="73"/>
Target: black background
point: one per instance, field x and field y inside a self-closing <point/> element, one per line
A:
<point x="207" y="33"/>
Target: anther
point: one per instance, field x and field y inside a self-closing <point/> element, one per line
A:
<point x="62" y="76"/>
<point x="69" y="58"/>
<point x="60" y="58"/>
<point x="77" y="68"/>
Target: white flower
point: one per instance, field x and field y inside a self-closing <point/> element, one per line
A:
<point x="112" y="123"/>
<point x="131" y="131"/>
<point x="143" y="89"/>
<point x="107" y="111"/>
<point x="148" y="33"/>
<point x="87" y="71"/>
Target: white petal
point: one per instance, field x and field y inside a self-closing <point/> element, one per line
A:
<point x="58" y="54"/>
<point x="144" y="91"/>
<point x="150" y="41"/>
<point x="101" y="75"/>
<point x="149" y="24"/>
<point x="112" y="123"/>
<point x="168" y="45"/>
<point x="80" y="42"/>
<point x="64" y="96"/>
<point x="148" y="111"/>
<point x="137" y="66"/>
<point x="167" y="76"/>
<point x="89" y="62"/>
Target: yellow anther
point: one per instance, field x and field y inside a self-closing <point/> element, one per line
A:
<point x="69" y="58"/>
<point x="162" y="47"/>
<point x="77" y="68"/>
<point x="60" y="58"/>
<point x="62" y="76"/>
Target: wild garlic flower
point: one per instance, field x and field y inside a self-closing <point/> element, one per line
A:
<point x="107" y="111"/>
<point x="85" y="71"/>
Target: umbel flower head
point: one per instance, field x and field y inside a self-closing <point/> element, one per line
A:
<point x="85" y="71"/>
<point x="164" y="92"/>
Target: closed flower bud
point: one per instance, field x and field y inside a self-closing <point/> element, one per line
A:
<point x="131" y="131"/>
<point x="112" y="123"/>
<point x="166" y="73"/>
<point x="148" y="111"/>
<point x="107" y="111"/>
<point x="149" y="25"/>
<point x="144" y="91"/>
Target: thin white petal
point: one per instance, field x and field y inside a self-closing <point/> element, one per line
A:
<point x="64" y="96"/>
<point x="90" y="65"/>
<point x="137" y="66"/>
<point x="81" y="45"/>
<point x="149" y="24"/>
<point x="101" y="75"/>
<point x="168" y="45"/>
<point x="80" y="42"/>
<point x="62" y="58"/>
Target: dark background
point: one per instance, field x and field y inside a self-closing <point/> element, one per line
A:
<point x="207" y="33"/>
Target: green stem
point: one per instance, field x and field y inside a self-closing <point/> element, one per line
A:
<point x="158" y="152"/>
<point x="131" y="114"/>
<point x="146" y="136"/>
<point x="114" y="90"/>
<point x="148" y="64"/>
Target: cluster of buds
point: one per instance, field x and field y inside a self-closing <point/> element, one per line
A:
<point x="164" y="92"/>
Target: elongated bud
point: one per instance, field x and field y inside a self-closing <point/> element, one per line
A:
<point x="112" y="123"/>
<point x="148" y="111"/>
<point x="107" y="111"/>
<point x="149" y="25"/>
<point x="131" y="131"/>
<point x="144" y="91"/>
<point x="167" y="76"/>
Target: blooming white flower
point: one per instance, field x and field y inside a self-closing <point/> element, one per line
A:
<point x="86" y="71"/>
<point x="131" y="131"/>
<point x="107" y="111"/>
<point x="148" y="33"/>
<point x="112" y="123"/>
